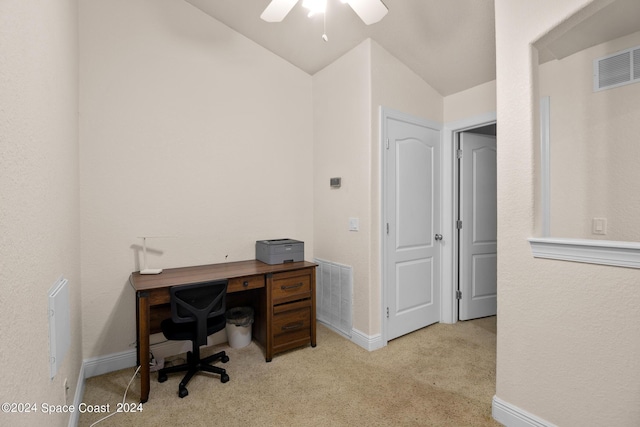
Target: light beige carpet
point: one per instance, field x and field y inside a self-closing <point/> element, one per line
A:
<point x="442" y="375"/>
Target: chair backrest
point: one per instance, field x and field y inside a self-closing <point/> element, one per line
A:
<point x="197" y="303"/>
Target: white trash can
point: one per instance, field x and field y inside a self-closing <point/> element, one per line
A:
<point x="239" y="320"/>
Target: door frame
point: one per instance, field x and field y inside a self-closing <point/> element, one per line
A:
<point x="449" y="209"/>
<point x="385" y="113"/>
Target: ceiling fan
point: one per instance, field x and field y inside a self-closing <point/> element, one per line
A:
<point x="370" y="11"/>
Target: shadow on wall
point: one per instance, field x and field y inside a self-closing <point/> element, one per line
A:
<point x="119" y="330"/>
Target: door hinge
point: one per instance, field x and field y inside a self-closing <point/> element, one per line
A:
<point x="387" y="143"/>
<point x="459" y="224"/>
<point x="387" y="312"/>
<point x="387" y="228"/>
<point x="458" y="294"/>
<point x="459" y="153"/>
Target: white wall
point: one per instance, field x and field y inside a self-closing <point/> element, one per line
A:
<point x="39" y="214"/>
<point x="187" y="130"/>
<point x="215" y="166"/>
<point x="473" y="102"/>
<point x="347" y="98"/>
<point x="568" y="349"/>
<point x="341" y="122"/>
<point x="396" y="87"/>
<point x="220" y="164"/>
<point x="594" y="147"/>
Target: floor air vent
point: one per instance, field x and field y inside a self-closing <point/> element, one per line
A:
<point x="618" y="69"/>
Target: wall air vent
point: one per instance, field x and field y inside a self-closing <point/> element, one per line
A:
<point x="618" y="69"/>
<point x="334" y="295"/>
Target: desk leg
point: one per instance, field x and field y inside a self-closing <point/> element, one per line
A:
<point x="143" y="320"/>
<point x="313" y="307"/>
<point x="268" y="306"/>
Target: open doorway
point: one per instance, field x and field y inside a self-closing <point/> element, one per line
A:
<point x="476" y="222"/>
<point x="448" y="214"/>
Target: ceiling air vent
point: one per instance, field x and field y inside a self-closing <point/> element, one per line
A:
<point x="618" y="69"/>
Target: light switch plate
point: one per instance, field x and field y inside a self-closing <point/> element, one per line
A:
<point x="354" y="224"/>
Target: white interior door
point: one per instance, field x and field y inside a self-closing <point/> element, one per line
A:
<point x="478" y="242"/>
<point x="412" y="253"/>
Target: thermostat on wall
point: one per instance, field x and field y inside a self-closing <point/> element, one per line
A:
<point x="335" y="182"/>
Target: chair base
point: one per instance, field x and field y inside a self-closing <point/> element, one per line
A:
<point x="193" y="365"/>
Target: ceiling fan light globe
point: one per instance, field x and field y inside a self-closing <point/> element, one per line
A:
<point x="315" y="6"/>
<point x="370" y="11"/>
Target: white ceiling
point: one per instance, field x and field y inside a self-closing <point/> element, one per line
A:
<point x="449" y="43"/>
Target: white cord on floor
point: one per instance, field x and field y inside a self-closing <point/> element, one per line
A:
<point x="123" y="398"/>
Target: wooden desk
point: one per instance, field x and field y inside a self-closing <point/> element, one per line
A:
<point x="283" y="297"/>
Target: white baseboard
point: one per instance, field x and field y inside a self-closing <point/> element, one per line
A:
<point x="109" y="363"/>
<point x="127" y="359"/>
<point x="365" y="341"/>
<point x="368" y="342"/>
<point x="512" y="416"/>
<point x="77" y="398"/>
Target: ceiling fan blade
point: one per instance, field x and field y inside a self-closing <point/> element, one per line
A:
<point x="277" y="10"/>
<point x="370" y="11"/>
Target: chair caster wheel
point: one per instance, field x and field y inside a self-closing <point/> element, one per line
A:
<point x="183" y="392"/>
<point x="224" y="378"/>
<point x="224" y="359"/>
<point x="162" y="378"/>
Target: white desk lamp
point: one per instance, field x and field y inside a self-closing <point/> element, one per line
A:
<point x="147" y="270"/>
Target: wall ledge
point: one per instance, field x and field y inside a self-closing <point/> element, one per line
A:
<point x="603" y="252"/>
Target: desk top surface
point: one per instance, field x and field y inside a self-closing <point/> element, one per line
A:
<point x="202" y="273"/>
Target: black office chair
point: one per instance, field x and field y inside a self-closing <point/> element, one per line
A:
<point x="197" y="311"/>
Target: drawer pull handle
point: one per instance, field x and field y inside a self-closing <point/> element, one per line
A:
<point x="245" y="283"/>
<point x="291" y="326"/>
<point x="287" y="287"/>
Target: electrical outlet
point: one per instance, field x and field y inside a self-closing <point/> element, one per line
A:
<point x="599" y="226"/>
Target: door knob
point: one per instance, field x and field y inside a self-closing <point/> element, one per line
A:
<point x="438" y="237"/>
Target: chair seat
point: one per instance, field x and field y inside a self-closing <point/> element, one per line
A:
<point x="186" y="331"/>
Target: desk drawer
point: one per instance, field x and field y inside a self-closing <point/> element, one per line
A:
<point x="291" y="328"/>
<point x="243" y="283"/>
<point x="291" y="286"/>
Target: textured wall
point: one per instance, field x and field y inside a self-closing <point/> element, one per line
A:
<point x="341" y="103"/>
<point x="187" y="130"/>
<point x="568" y="347"/>
<point x="594" y="147"/>
<point x="39" y="207"/>
<point x="472" y="102"/>
<point x="396" y="87"/>
<point x="347" y="99"/>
